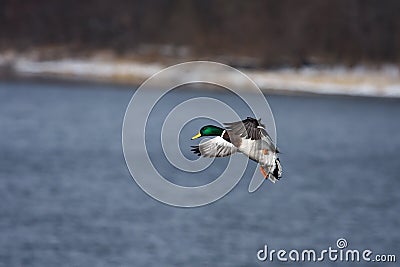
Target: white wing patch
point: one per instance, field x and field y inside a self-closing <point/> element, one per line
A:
<point x="215" y="147"/>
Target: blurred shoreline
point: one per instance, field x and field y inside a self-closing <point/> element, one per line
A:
<point x="106" y="67"/>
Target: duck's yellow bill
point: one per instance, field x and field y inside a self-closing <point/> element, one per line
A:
<point x="196" y="136"/>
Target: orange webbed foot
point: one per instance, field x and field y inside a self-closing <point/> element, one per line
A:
<point x="263" y="172"/>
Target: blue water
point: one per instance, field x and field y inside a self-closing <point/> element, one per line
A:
<point x="67" y="198"/>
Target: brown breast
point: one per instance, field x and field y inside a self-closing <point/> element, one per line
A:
<point x="232" y="138"/>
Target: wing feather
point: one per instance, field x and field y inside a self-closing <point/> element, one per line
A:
<point x="249" y="128"/>
<point x="215" y="147"/>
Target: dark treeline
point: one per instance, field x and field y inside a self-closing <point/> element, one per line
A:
<point x="273" y="31"/>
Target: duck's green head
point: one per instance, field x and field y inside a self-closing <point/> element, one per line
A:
<point x="209" y="130"/>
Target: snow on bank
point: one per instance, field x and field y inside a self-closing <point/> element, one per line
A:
<point x="382" y="82"/>
<point x="87" y="69"/>
<point x="361" y="81"/>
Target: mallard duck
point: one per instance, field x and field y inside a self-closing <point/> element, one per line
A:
<point x="248" y="137"/>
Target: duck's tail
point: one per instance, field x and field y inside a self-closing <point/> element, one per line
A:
<point x="276" y="171"/>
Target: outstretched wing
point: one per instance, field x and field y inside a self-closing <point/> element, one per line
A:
<point x="215" y="147"/>
<point x="249" y="128"/>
